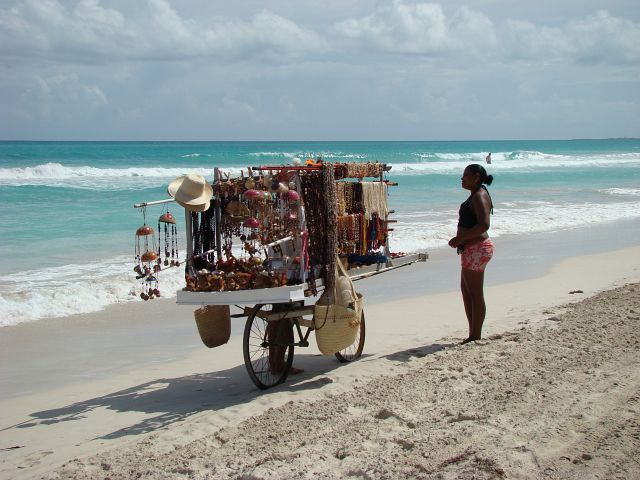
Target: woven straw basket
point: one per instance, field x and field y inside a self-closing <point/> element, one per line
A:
<point x="336" y="326"/>
<point x="214" y="324"/>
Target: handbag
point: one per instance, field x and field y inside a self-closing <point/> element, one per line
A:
<point x="214" y="324"/>
<point x="337" y="321"/>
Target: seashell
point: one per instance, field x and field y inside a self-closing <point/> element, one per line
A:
<point x="144" y="230"/>
<point x="251" y="193"/>
<point x="251" y="223"/>
<point x="167" y="218"/>
<point x="149" y="256"/>
<point x="282" y="188"/>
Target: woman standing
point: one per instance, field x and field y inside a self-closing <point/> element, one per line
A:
<point x="474" y="246"/>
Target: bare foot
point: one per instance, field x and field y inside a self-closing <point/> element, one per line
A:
<point x="469" y="339"/>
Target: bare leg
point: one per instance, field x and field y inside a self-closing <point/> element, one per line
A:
<point x="474" y="282"/>
<point x="466" y="299"/>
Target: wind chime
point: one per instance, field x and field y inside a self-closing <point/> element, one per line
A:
<point x="170" y="240"/>
<point x="146" y="260"/>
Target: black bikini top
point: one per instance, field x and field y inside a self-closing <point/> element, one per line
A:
<point x="466" y="215"/>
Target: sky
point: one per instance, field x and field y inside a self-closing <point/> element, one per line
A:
<point x="319" y="70"/>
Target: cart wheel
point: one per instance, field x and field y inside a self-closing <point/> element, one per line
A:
<point x="353" y="351"/>
<point x="267" y="347"/>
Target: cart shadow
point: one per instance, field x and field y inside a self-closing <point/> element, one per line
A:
<point x="170" y="400"/>
<point x="419" y="352"/>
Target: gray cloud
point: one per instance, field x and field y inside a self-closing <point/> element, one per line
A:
<point x="425" y="29"/>
<point x="89" y="32"/>
<point x="421" y="29"/>
<point x="598" y="38"/>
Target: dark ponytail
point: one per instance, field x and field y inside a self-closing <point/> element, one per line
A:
<point x="477" y="168"/>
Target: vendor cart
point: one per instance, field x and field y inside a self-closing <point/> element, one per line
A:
<point x="291" y="223"/>
<point x="284" y="304"/>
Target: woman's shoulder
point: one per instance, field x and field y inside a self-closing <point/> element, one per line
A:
<point x="481" y="196"/>
<point x="481" y="192"/>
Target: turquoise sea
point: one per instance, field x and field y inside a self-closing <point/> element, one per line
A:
<point x="67" y="220"/>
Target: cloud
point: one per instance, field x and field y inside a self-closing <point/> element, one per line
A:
<point x="91" y="33"/>
<point x="85" y="31"/>
<point x="425" y="29"/>
<point x="421" y="29"/>
<point x="54" y="95"/>
<point x="599" y="38"/>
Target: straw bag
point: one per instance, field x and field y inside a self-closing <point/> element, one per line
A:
<point x="337" y="322"/>
<point x="214" y="324"/>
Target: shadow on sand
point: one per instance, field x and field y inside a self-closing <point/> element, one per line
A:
<point x="169" y="400"/>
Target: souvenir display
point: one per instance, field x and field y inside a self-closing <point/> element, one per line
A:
<point x="170" y="246"/>
<point x="279" y="225"/>
<point x="312" y="211"/>
<point x="147" y="260"/>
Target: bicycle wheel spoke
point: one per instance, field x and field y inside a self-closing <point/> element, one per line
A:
<point x="263" y="344"/>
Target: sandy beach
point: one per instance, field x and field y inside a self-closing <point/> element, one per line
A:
<point x="551" y="392"/>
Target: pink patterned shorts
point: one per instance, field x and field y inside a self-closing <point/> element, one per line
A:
<point x="476" y="256"/>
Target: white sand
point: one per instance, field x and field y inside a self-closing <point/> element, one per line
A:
<point x="557" y="396"/>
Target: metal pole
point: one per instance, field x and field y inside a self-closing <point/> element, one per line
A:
<point x="156" y="202"/>
<point x="218" y="214"/>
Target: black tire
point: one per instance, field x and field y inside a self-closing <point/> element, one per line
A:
<point x="259" y="352"/>
<point x="353" y="351"/>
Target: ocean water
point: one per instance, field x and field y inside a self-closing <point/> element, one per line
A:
<point x="67" y="220"/>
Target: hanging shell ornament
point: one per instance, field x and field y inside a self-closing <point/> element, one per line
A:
<point x="282" y="187"/>
<point x="167" y="218"/>
<point x="293" y="196"/>
<point x="251" y="223"/>
<point x="237" y="211"/>
<point x="252" y="194"/>
<point x="149" y="256"/>
<point x="144" y="230"/>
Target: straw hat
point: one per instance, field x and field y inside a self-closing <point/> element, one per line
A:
<point x="192" y="192"/>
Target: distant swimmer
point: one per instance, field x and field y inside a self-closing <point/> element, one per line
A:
<point x="488" y="158"/>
